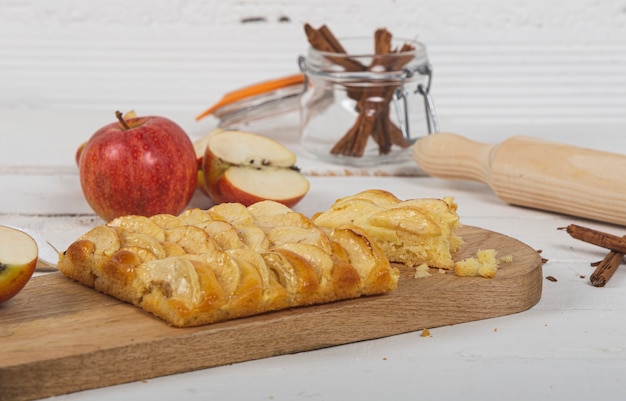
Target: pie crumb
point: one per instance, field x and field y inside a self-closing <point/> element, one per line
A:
<point x="485" y="264"/>
<point x="421" y="271"/>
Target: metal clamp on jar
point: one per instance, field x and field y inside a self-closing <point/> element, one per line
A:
<point x="361" y="109"/>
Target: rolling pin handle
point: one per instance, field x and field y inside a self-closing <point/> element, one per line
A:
<point x="451" y="156"/>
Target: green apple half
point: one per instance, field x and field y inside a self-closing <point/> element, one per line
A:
<point x="18" y="258"/>
<point x="247" y="168"/>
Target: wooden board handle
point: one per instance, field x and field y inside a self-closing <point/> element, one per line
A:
<point x="534" y="173"/>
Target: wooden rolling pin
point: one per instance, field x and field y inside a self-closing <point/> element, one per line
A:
<point x="533" y="173"/>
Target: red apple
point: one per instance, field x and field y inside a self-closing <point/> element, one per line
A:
<point x="246" y="168"/>
<point x="127" y="116"/>
<point x="143" y="166"/>
<point x="18" y="258"/>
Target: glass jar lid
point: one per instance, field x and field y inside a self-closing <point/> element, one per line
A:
<point x="258" y="101"/>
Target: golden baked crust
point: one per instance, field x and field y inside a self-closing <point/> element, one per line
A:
<point x="230" y="261"/>
<point x="410" y="232"/>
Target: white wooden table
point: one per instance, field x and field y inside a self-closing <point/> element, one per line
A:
<point x="571" y="345"/>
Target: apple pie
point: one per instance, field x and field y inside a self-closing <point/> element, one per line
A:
<point x="411" y="232"/>
<point x="229" y="261"/>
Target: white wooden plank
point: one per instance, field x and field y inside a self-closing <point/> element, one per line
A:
<point x="554" y="61"/>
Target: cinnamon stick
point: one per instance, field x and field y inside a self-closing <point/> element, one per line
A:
<point x="605" y="270"/>
<point x="317" y="40"/>
<point x="353" y="143"/>
<point x="599" y="238"/>
<point x="331" y="39"/>
<point x="322" y="39"/>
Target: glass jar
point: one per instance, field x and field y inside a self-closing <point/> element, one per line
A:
<point x="364" y="109"/>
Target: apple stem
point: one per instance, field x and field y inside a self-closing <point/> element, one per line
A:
<point x="120" y="118"/>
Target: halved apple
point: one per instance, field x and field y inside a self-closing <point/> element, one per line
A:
<point x="199" y="146"/>
<point x="247" y="168"/>
<point x="18" y="258"/>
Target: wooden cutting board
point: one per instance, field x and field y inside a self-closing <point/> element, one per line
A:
<point x="58" y="336"/>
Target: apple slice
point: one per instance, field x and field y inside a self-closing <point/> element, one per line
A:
<point x="199" y="145"/>
<point x="18" y="258"/>
<point x="247" y="168"/>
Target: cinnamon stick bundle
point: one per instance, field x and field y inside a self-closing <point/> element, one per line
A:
<point x="373" y="102"/>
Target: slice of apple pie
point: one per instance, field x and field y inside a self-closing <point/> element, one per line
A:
<point x="411" y="232"/>
<point x="230" y="261"/>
